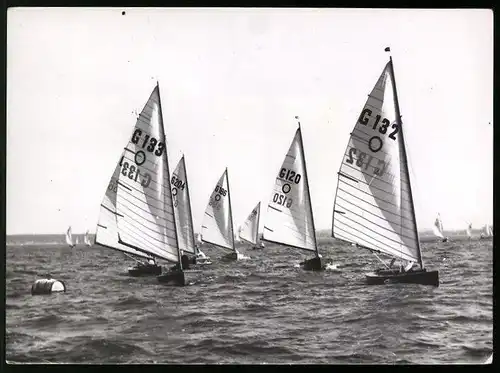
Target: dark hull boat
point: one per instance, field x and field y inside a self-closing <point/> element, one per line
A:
<point x="418" y="276"/>
<point x="313" y="264"/>
<point x="144" y="270"/>
<point x="173" y="277"/>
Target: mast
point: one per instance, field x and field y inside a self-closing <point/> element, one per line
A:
<point x="230" y="210"/>
<point x="308" y="192"/>
<point x="189" y="203"/>
<point x="398" y="119"/>
<point x="168" y="173"/>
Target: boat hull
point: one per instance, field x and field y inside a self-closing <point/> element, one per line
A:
<point x="313" y="264"/>
<point x="232" y="256"/>
<point x="421" y="277"/>
<point x="149" y="270"/>
<point x="180" y="278"/>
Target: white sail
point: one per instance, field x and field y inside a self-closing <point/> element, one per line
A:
<point x="182" y="208"/>
<point x="249" y="231"/>
<point x="107" y="229"/>
<point x="373" y="204"/>
<point x="69" y="237"/>
<point x="86" y="239"/>
<point x="76" y="243"/>
<point x="437" y="228"/>
<point x="289" y="218"/>
<point x="469" y="230"/>
<point x="217" y="226"/>
<point x="144" y="201"/>
<point x="487" y="231"/>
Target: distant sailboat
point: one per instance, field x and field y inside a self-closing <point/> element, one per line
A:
<point x="217" y="226"/>
<point x="468" y="231"/>
<point x="289" y="220"/>
<point x="86" y="239"/>
<point x="69" y="238"/>
<point x="487" y="232"/>
<point x="183" y="215"/>
<point x="374" y="204"/>
<point x="249" y="231"/>
<point x="437" y="228"/>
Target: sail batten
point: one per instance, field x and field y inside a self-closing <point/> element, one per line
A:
<point x="217" y="225"/>
<point x="143" y="196"/>
<point x="107" y="230"/>
<point x="289" y="219"/>
<point x="374" y="190"/>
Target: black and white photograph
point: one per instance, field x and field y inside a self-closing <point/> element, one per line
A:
<point x="280" y="186"/>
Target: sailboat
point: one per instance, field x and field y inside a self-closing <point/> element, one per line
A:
<point x="289" y="220"/>
<point x="487" y="232"/>
<point x="86" y="239"/>
<point x="217" y="226"/>
<point x="249" y="231"/>
<point x="183" y="215"/>
<point x="69" y="238"/>
<point x="373" y="204"/>
<point x="468" y="231"/>
<point x="437" y="228"/>
<point x="143" y="216"/>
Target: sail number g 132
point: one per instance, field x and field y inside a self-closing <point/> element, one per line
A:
<point x="366" y="115"/>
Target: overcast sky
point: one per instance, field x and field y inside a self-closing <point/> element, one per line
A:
<point x="231" y="82"/>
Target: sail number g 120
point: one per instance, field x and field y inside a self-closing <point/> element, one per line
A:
<point x="290" y="175"/>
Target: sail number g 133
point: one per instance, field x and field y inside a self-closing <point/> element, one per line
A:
<point x="151" y="144"/>
<point x="133" y="172"/>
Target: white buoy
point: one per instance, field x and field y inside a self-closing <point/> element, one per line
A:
<point x="47" y="286"/>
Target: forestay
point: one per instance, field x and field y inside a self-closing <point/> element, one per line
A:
<point x="437" y="228"/>
<point x="250" y="229"/>
<point x="217" y="227"/>
<point x="373" y="206"/>
<point x="107" y="229"/>
<point x="289" y="218"/>
<point x="145" y="217"/>
<point x="182" y="208"/>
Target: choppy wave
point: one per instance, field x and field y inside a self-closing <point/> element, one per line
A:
<point x="258" y="311"/>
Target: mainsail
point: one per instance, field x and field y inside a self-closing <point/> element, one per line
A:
<point x="107" y="229"/>
<point x="373" y="204"/>
<point x="182" y="208"/>
<point x="249" y="231"/>
<point x="487" y="231"/>
<point x="289" y="219"/>
<point x="217" y="226"/>
<point x="145" y="213"/>
<point x="69" y="237"/>
<point x="86" y="239"/>
<point x="469" y="230"/>
<point x="437" y="228"/>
